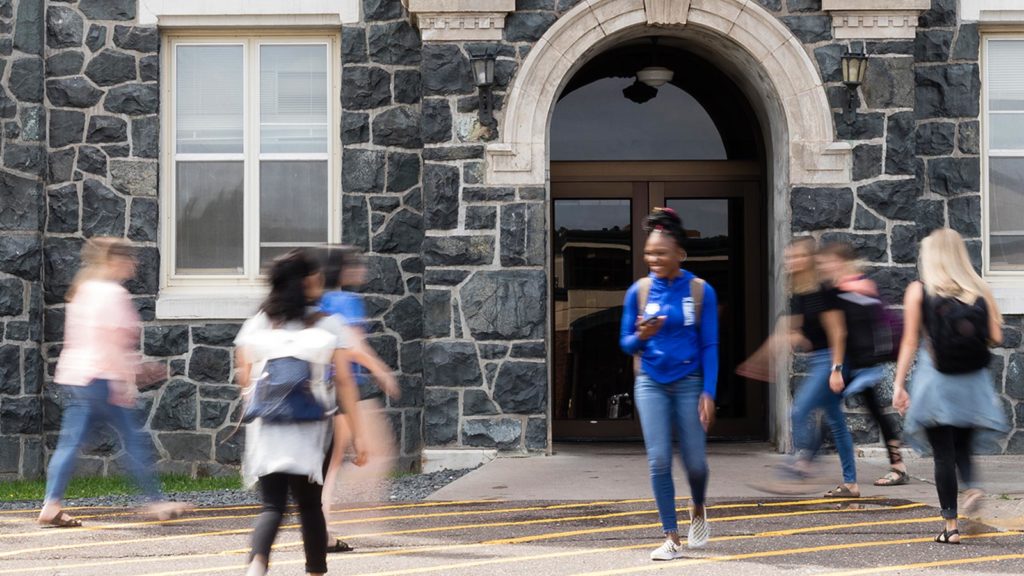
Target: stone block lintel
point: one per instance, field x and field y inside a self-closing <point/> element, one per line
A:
<point x="875" y="19"/>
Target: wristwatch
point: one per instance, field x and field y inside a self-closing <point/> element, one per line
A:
<point x="837" y="367"/>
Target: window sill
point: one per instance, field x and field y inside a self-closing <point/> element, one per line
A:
<point x="209" y="303"/>
<point x="1009" y="294"/>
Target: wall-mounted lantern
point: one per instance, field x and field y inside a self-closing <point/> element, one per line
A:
<point x="483" y="76"/>
<point x="855" y="65"/>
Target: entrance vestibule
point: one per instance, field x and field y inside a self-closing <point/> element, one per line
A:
<point x="616" y="153"/>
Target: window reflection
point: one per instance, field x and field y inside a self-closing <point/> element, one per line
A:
<point x="596" y="122"/>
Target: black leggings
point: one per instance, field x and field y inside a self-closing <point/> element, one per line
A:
<point x="274" y="491"/>
<point x="889" y="435"/>
<point x="952" y="450"/>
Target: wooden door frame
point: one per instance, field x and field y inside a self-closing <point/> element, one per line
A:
<point x="598" y="180"/>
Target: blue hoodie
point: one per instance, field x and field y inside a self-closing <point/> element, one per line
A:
<point x="681" y="347"/>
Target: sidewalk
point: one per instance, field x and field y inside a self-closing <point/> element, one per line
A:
<point x="619" y="471"/>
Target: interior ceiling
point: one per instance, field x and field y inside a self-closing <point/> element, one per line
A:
<point x="713" y="89"/>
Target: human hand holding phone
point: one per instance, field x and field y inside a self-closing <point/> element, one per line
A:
<point x="649" y="326"/>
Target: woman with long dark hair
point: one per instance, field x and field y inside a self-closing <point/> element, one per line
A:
<point x="670" y="325"/>
<point x="287" y="454"/>
<point x="953" y="408"/>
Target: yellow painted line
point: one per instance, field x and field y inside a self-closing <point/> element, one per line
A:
<point x="410" y="531"/>
<point x="414" y="550"/>
<point x="194" y="519"/>
<point x="554" y="535"/>
<point x="582" y="532"/>
<point x="287" y="527"/>
<point x="937" y="564"/>
<point x="516" y="559"/>
<point x="782" y="552"/>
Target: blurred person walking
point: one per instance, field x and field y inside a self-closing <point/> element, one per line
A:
<point x="872" y="339"/>
<point x="345" y="270"/>
<point x="97" y="369"/>
<point x="670" y="325"/>
<point x="283" y="356"/>
<point x="817" y="328"/>
<point x="951" y="406"/>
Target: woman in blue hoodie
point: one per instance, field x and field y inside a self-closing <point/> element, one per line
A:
<point x="670" y="325"/>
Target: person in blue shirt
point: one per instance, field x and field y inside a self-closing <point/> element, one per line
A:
<point x="670" y="324"/>
<point x="344" y="267"/>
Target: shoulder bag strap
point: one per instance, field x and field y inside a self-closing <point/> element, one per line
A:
<point x="697" y="293"/>
<point x="643" y="291"/>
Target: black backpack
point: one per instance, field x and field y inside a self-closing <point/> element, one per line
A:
<point x="873" y="331"/>
<point x="958" y="333"/>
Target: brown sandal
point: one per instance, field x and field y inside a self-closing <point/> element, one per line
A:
<point x="893" y="477"/>
<point x="61" y="520"/>
<point x="841" y="491"/>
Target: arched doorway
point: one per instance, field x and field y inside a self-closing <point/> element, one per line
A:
<point x="618" y="148"/>
<point x="745" y="41"/>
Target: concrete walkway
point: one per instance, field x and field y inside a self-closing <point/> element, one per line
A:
<point x="603" y="470"/>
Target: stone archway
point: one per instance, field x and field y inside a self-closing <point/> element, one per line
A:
<point x="803" y="133"/>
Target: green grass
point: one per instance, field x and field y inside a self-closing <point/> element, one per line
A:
<point x="90" y="487"/>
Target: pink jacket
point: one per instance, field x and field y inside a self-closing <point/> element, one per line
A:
<point x="101" y="338"/>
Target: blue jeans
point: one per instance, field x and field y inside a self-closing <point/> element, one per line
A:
<point x="667" y="409"/>
<point x="813" y="394"/>
<point x="88" y="407"/>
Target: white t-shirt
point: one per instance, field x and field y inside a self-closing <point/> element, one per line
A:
<point x="292" y="448"/>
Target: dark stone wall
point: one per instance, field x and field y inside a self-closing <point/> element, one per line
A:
<point x="382" y="197"/>
<point x="22" y="217"/>
<point x="457" y="290"/>
<point x="916" y="168"/>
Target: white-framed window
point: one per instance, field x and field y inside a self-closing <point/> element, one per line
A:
<point x="1003" y="156"/>
<point x="250" y="153"/>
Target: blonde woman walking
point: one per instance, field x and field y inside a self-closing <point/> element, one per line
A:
<point x="951" y="407"/>
<point x="97" y="368"/>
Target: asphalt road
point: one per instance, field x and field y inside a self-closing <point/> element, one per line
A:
<point x="793" y="536"/>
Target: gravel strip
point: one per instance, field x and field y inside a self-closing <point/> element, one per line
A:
<point x="409" y="488"/>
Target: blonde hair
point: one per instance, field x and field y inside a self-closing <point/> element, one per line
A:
<point x="97" y="254"/>
<point x="946" y="269"/>
<point x="807" y="281"/>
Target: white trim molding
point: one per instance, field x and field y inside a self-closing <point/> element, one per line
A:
<point x="875" y="19"/>
<point x="458" y="20"/>
<point x="520" y="156"/>
<point x="249" y="13"/>
<point x="992" y="11"/>
<point x="209" y="303"/>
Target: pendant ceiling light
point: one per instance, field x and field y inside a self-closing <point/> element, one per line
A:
<point x="654" y="75"/>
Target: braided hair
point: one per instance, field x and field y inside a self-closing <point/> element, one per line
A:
<point x="667" y="221"/>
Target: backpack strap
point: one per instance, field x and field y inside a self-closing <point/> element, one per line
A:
<point x="697" y="293"/>
<point x="643" y="291"/>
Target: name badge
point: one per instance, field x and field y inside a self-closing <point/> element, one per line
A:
<point x="689" y="314"/>
<point x="652" y="309"/>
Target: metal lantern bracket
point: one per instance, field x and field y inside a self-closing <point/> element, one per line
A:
<point x="854" y="67"/>
<point x="483" y="76"/>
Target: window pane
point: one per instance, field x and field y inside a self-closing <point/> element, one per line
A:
<point x="209" y="103"/>
<point x="1005" y="71"/>
<point x="672" y="126"/>
<point x="293" y="205"/>
<point x="293" y="99"/>
<point x="209" y="213"/>
<point x="1006" y="204"/>
<point x="1006" y="131"/>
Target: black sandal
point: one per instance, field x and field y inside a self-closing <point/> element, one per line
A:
<point x="944" y="538"/>
<point x="339" y="546"/>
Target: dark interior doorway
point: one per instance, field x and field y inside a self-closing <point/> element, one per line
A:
<point x="694" y="146"/>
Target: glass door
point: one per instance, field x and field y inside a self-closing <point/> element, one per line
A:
<point x="722" y="221"/>
<point x="594" y="246"/>
<point x="597" y="253"/>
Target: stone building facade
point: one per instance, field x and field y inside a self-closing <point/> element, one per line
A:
<point x="455" y="213"/>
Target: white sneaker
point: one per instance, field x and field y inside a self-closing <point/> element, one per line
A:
<point x="668" y="551"/>
<point x="700" y="532"/>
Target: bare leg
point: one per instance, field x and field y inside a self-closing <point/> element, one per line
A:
<point x="342" y="440"/>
